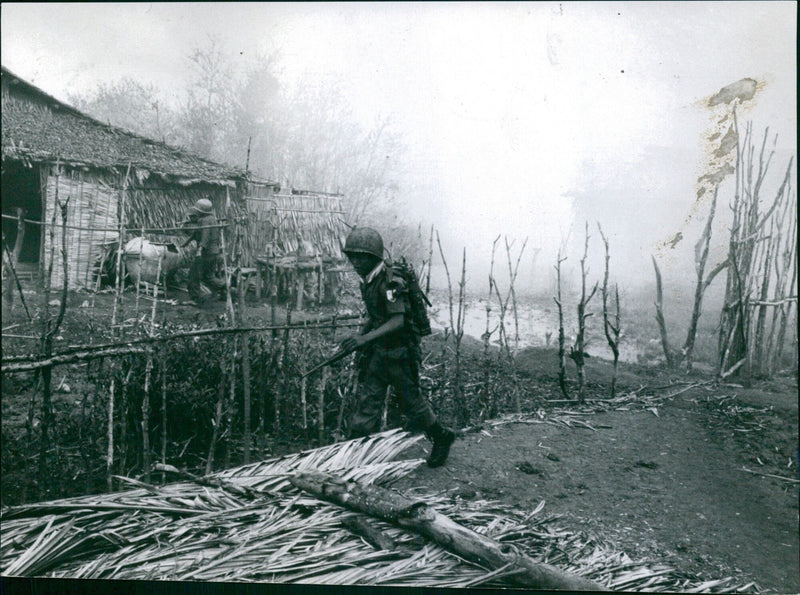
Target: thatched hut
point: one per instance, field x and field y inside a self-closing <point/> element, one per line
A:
<point x="116" y="179"/>
<point x="52" y="151"/>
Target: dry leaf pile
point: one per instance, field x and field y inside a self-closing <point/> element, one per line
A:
<point x="250" y="524"/>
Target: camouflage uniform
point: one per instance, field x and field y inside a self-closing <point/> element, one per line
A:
<point x="392" y="360"/>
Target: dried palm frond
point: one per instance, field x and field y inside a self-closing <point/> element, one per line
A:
<point x="188" y="531"/>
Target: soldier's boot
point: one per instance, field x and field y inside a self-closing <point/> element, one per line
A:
<point x="442" y="438"/>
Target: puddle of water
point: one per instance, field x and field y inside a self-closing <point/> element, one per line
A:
<point x="535" y="323"/>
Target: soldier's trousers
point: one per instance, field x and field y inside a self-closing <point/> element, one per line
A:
<point x="204" y="268"/>
<point x="380" y="371"/>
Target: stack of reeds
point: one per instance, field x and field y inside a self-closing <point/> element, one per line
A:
<point x="250" y="524"/>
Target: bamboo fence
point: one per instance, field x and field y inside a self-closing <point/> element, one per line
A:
<point x="269" y="223"/>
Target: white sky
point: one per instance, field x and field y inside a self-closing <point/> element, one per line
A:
<point x="507" y="109"/>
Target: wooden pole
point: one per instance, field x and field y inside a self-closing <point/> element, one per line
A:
<point x="578" y="354"/>
<point x="245" y="371"/>
<point x="146" y="418"/>
<point x="321" y="407"/>
<point x="662" y="325"/>
<point x="247" y="162"/>
<point x="49" y="329"/>
<point x="15" y="277"/>
<point x="488" y="410"/>
<point x="320" y="284"/>
<point x="110" y="438"/>
<point x="271" y="374"/>
<point x="430" y="264"/>
<point x="562" y="367"/>
<point x="453" y="327"/>
<point x="461" y="313"/>
<point x="385" y="416"/>
<point x="304" y="405"/>
<point x="228" y="300"/>
<point x="13" y="259"/>
<point x="228" y="432"/>
<point x="610" y="329"/>
<point x="217" y="423"/>
<point x="139" y="274"/>
<point x="248" y="438"/>
<point x="146" y="396"/>
<point x="26" y="363"/>
<point x="512" y="275"/>
<point x="283" y="366"/>
<point x="163" y="410"/>
<point x="120" y="248"/>
<point x="422" y="518"/>
<point x="301" y="284"/>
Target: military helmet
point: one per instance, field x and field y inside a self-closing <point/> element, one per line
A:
<point x="203" y="206"/>
<point x="365" y="240"/>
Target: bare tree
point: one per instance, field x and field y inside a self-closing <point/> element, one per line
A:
<point x="505" y="347"/>
<point x="305" y="138"/>
<point x="207" y="108"/>
<point x="512" y="275"/>
<point x="756" y="255"/>
<point x="669" y="353"/>
<point x="131" y="105"/>
<point x="456" y="327"/>
<point x="486" y="337"/>
<point x="562" y="356"/>
<point x="611" y="329"/>
<point x="701" y="250"/>
<point x="578" y="351"/>
<point x="786" y="272"/>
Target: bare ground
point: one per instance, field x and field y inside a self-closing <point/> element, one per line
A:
<point x="665" y="484"/>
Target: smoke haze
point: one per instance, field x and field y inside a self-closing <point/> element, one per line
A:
<point x="520" y="119"/>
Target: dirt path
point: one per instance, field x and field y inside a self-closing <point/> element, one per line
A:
<point x="669" y="487"/>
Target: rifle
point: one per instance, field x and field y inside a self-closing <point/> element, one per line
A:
<point x="335" y="358"/>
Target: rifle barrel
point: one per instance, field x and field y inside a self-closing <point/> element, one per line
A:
<point x="332" y="360"/>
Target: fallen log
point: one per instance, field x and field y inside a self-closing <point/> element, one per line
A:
<point x="422" y="518"/>
<point x="372" y="534"/>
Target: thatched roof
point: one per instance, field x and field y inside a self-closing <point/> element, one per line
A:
<point x="255" y="526"/>
<point x="38" y="127"/>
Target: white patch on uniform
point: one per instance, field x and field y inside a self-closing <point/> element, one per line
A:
<point x="390" y="295"/>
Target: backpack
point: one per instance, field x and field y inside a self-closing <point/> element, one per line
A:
<point x="418" y="301"/>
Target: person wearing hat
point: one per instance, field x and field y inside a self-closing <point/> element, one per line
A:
<point x="389" y="349"/>
<point x="204" y="232"/>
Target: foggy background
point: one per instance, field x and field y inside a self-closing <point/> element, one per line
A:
<point x="521" y="119"/>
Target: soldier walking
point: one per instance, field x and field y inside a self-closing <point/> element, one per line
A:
<point x="390" y="349"/>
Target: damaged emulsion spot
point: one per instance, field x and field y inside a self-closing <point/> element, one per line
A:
<point x="722" y="141"/>
<point x="727" y="144"/>
<point x="743" y="90"/>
